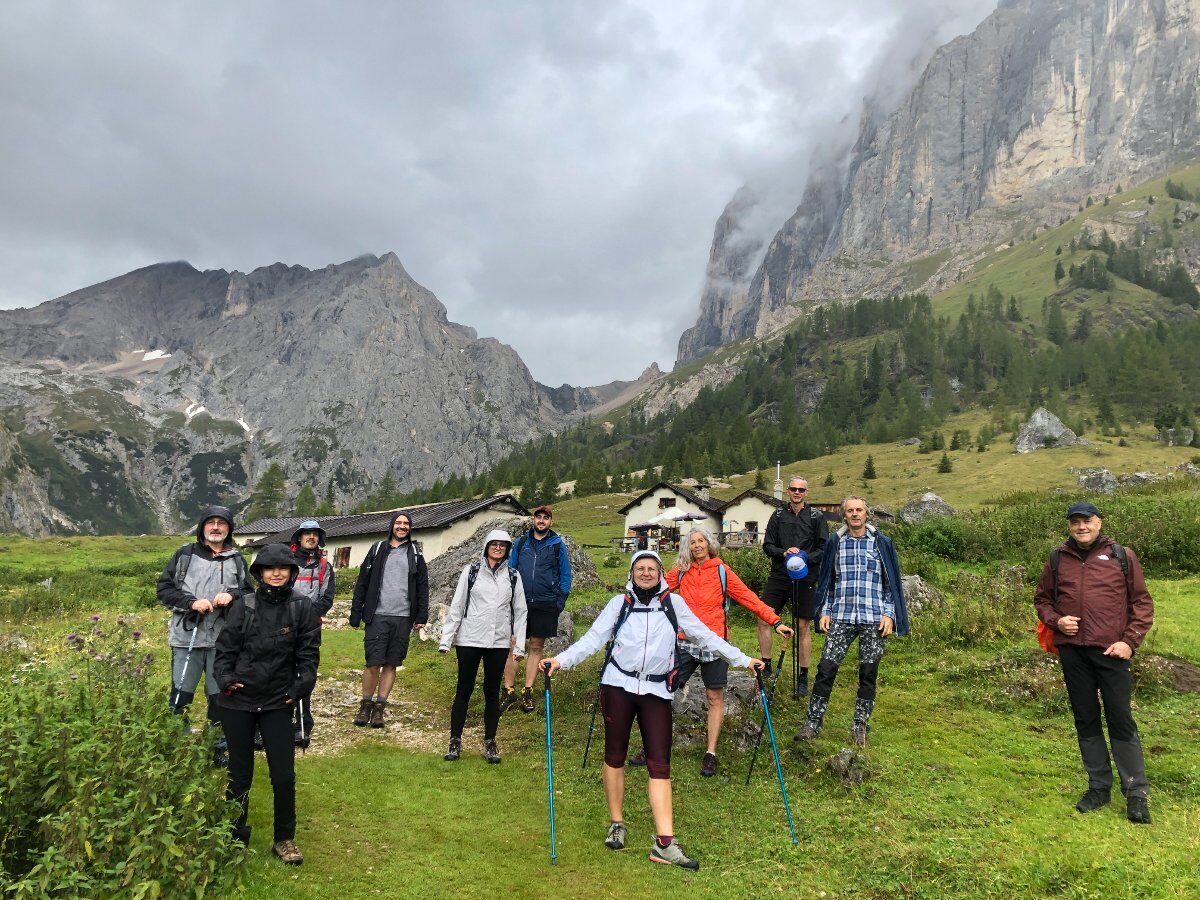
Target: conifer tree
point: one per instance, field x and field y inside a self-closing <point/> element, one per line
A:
<point x="869" y="468"/>
<point x="306" y="501"/>
<point x="266" y="500"/>
<point x="944" y="465"/>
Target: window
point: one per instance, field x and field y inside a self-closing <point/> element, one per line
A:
<point x="341" y="557"/>
<point x="666" y="502"/>
<point x="752" y="527"/>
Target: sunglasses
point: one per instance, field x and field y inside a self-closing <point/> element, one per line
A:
<point x="798" y="490"/>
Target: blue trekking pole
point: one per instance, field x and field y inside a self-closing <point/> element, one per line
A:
<point x="763" y="727"/>
<point x="549" y="765"/>
<point x="787" y="807"/>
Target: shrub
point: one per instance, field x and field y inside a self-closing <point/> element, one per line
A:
<point x="981" y="609"/>
<point x="102" y="795"/>
<point x="751" y="564"/>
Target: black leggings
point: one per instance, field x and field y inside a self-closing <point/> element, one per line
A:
<point x="493" y="659"/>
<point x="653" y="714"/>
<point x="277" y="735"/>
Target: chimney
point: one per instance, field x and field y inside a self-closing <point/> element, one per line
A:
<point x="702" y="490"/>
<point x="778" y="483"/>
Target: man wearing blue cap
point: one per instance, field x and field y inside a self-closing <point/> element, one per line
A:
<point x="1093" y="594"/>
<point x="859" y="596"/>
<point x="315" y="580"/>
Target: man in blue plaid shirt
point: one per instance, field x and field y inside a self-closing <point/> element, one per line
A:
<point x="859" y="595"/>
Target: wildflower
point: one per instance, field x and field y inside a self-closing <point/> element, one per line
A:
<point x="95" y="617"/>
<point x="136" y="634"/>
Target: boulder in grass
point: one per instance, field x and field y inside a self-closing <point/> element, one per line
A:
<point x="689" y="708"/>
<point x="1137" y="478"/>
<point x="919" y="594"/>
<point x="850" y="768"/>
<point x="927" y="506"/>
<point x="1097" y="481"/>
<point x="1045" y="430"/>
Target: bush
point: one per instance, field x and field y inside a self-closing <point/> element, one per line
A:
<point x="102" y="795"/>
<point x="751" y="564"/>
<point x="981" y="609"/>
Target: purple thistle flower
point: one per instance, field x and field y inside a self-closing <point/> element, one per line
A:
<point x="72" y="636"/>
<point x="136" y="635"/>
<point x="95" y="617"/>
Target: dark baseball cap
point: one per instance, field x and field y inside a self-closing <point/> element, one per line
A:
<point x="1082" y="508"/>
<point x="544" y="508"/>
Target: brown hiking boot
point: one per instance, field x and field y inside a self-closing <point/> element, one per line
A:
<point x="287" y="851"/>
<point x="377" y="714"/>
<point x="858" y="734"/>
<point x="363" y="717"/>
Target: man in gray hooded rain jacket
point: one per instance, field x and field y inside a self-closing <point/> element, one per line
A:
<point x="197" y="585"/>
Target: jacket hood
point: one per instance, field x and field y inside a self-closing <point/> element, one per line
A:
<point x="641" y="554"/>
<point x="214" y="512"/>
<point x="311" y="525"/>
<point x="275" y="555"/>
<point x="497" y="534"/>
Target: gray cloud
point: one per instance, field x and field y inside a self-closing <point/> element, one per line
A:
<point x="552" y="171"/>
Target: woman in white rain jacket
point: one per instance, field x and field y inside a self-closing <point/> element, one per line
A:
<point x="485" y="620"/>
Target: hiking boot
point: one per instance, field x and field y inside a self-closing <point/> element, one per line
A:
<point x="802" y="685"/>
<point x="220" y="752"/>
<point x="766" y="670"/>
<point x="616" y="836"/>
<point x="363" y="717"/>
<point x="708" y="768"/>
<point x="241" y="835"/>
<point x="455" y="750"/>
<point x="858" y="734"/>
<point x="508" y="697"/>
<point x="301" y="738"/>
<point x="258" y="741"/>
<point x="287" y="851"/>
<point x="1138" y="810"/>
<point x="490" y="751"/>
<point x="671" y="855"/>
<point x="1092" y="800"/>
<point x="638" y="759"/>
<point x="527" y="700"/>
<point x="808" y="732"/>
<point x="377" y="714"/>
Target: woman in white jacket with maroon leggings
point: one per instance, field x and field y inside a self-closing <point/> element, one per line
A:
<point x="635" y="685"/>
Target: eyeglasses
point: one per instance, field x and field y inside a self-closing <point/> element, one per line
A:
<point x="798" y="490"/>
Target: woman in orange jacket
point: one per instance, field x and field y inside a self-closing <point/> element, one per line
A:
<point x="697" y="578"/>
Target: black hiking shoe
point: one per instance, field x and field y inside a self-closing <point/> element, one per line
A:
<point x="1092" y="800"/>
<point x="455" y="750"/>
<point x="491" y="752"/>
<point x="258" y="741"/>
<point x="527" y="700"/>
<point x="508" y="697"/>
<point x="708" y="768"/>
<point x="1138" y="810"/>
<point x="802" y="686"/>
<point x="638" y="759"/>
<point x="363" y="717"/>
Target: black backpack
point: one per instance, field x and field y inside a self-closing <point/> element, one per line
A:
<point x="184" y="560"/>
<point x="668" y="608"/>
<point x="250" y="610"/>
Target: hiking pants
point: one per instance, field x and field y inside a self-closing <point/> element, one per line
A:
<point x="1093" y="678"/>
<point x="277" y="736"/>
<point x="493" y="659"/>
<point x="653" y="714"/>
<point x="871" y="645"/>
<point x="201" y="663"/>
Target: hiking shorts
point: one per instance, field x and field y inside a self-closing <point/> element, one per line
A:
<point x="715" y="674"/>
<point x="541" y="621"/>
<point x="778" y="595"/>
<point x="386" y="640"/>
<point x="653" y="715"/>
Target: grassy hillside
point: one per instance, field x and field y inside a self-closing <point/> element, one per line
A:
<point x="972" y="774"/>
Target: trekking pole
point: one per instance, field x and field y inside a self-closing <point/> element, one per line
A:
<point x="303" y="735"/>
<point x="186" y="661"/>
<point x="763" y="728"/>
<point x="549" y="765"/>
<point x="787" y="807"/>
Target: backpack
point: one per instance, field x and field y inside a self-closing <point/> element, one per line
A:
<point x="368" y="562"/>
<point x="250" y="610"/>
<point x="1045" y="633"/>
<point x="512" y="594"/>
<point x="724" y="597"/>
<point x="668" y="678"/>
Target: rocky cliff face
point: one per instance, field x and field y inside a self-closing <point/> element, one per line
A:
<point x="182" y="386"/>
<point x="1010" y="126"/>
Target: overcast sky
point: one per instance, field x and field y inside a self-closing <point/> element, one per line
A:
<point x="552" y="171"/>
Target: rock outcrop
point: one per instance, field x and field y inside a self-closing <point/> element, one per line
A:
<point x="1042" y="431"/>
<point x="1097" y="481"/>
<point x="919" y="594"/>
<point x="927" y="506"/>
<point x="1008" y="127"/>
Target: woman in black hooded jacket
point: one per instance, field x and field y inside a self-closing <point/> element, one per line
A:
<point x="266" y="658"/>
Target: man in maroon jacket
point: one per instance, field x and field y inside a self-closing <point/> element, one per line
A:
<point x="1100" y="611"/>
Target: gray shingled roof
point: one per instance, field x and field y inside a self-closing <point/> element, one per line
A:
<point x="270" y="526"/>
<point x="710" y="505"/>
<point x="429" y="515"/>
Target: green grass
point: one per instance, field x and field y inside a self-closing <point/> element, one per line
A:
<point x="970" y="799"/>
